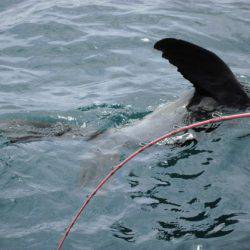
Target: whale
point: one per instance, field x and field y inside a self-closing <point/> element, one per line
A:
<point x="214" y="87"/>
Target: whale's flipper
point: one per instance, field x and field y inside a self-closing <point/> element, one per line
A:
<point x="206" y="71"/>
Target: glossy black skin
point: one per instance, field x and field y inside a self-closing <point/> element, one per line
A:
<point x="206" y="71"/>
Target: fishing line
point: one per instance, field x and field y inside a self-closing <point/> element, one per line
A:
<point x="121" y="164"/>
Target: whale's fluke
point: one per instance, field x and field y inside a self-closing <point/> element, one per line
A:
<point x="205" y="70"/>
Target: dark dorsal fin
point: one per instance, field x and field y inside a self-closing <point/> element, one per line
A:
<point x="205" y="70"/>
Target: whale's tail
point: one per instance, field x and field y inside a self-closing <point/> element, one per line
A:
<point x="206" y="71"/>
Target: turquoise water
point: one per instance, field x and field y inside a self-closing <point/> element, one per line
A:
<point x="76" y="64"/>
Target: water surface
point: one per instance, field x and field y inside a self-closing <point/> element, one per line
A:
<point x="91" y="64"/>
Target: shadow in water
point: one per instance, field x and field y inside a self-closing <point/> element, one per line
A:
<point x="170" y="230"/>
<point x="122" y="232"/>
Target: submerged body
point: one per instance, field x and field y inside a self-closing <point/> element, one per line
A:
<point x="163" y="119"/>
<point x="110" y="147"/>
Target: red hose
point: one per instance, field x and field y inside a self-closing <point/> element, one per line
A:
<point x="121" y="164"/>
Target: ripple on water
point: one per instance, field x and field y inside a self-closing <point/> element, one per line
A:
<point x="56" y="56"/>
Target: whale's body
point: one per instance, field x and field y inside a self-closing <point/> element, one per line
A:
<point x="212" y="80"/>
<point x="214" y="85"/>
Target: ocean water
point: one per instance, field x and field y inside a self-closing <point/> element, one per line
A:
<point x="87" y="66"/>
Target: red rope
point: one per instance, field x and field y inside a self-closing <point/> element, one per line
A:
<point x="120" y="165"/>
